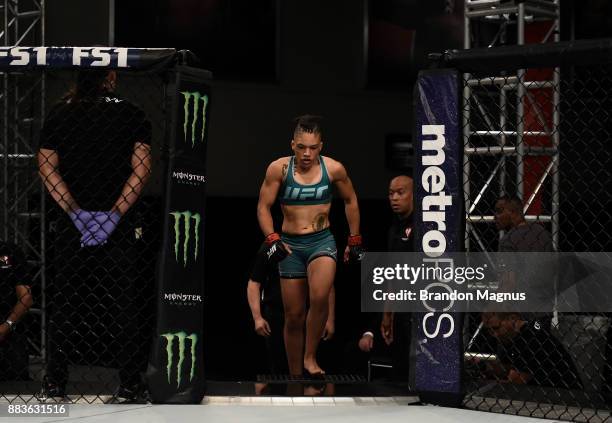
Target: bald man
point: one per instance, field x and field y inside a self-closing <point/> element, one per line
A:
<point x="394" y="327"/>
<point x="400" y="199"/>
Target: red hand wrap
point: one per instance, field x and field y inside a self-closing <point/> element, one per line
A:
<point x="272" y="238"/>
<point x="354" y="240"/>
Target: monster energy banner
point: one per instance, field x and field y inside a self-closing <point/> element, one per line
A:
<point x="437" y="350"/>
<point x="176" y="367"/>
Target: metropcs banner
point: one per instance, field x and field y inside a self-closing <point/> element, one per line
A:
<point x="176" y="369"/>
<point x="437" y="350"/>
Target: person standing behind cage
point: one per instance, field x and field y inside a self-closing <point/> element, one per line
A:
<point x="528" y="353"/>
<point x="94" y="160"/>
<point x="14" y="278"/>
<point x="307" y="249"/>
<point x="520" y="236"/>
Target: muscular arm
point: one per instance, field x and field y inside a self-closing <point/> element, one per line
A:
<point x="331" y="310"/>
<point x="518" y="377"/>
<point x="497" y="369"/>
<point x="267" y="195"/>
<point x="347" y="193"/>
<point x="24" y="302"/>
<point x="48" y="168"/>
<point x="141" y="170"/>
<point x="254" y="298"/>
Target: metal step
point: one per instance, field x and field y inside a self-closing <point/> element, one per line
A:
<point x="17" y="156"/>
<point x="490" y="219"/>
<point x="492" y="8"/>
<point x="510" y="133"/>
<point x="509" y="83"/>
<point x="29" y="215"/>
<point x="348" y="378"/>
<point x="510" y="151"/>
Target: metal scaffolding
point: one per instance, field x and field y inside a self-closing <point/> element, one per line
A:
<point x="498" y="104"/>
<point x="22" y="217"/>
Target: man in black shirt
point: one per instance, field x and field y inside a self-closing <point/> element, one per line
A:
<point x="94" y="160"/>
<point x="520" y="236"/>
<point x="14" y="277"/>
<point x="528" y="353"/>
<point x="394" y="327"/>
<point x="266" y="304"/>
<point x="523" y="237"/>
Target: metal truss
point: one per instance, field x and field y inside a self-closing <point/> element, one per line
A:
<point x="22" y="200"/>
<point x="494" y="112"/>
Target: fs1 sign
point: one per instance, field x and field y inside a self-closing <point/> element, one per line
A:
<point x="66" y="57"/>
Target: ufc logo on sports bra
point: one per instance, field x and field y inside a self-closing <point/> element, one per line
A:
<point x="302" y="193"/>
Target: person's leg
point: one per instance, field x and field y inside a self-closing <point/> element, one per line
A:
<point x="58" y="336"/>
<point x="65" y="293"/>
<point x="321" y="272"/>
<point x="130" y="302"/>
<point x="14" y="358"/>
<point x="294" y="293"/>
<point x="401" y="347"/>
<point x="61" y="335"/>
<point x="131" y="360"/>
<point x="277" y="357"/>
<point x="354" y="361"/>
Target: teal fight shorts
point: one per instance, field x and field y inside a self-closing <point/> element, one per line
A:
<point x="306" y="248"/>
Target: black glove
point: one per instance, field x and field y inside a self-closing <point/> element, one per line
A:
<point x="356" y="250"/>
<point x="276" y="249"/>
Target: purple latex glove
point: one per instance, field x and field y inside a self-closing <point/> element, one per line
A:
<point x="81" y="220"/>
<point x="100" y="228"/>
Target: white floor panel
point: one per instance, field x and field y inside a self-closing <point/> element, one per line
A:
<point x="274" y="411"/>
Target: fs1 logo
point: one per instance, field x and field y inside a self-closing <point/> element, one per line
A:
<point x="182" y="229"/>
<point x="191" y="120"/>
<point x="67" y="56"/>
<point x="181" y="337"/>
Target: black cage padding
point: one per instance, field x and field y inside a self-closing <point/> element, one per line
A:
<point x="506" y="58"/>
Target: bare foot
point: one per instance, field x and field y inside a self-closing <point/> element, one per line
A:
<point x="313" y="368"/>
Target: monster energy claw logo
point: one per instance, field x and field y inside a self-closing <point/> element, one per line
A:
<point x="185" y="217"/>
<point x="193" y="120"/>
<point x="181" y="337"/>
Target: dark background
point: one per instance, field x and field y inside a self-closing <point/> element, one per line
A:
<point x="353" y="62"/>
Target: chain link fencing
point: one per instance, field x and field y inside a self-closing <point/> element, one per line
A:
<point x="537" y="174"/>
<point x="82" y="214"/>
